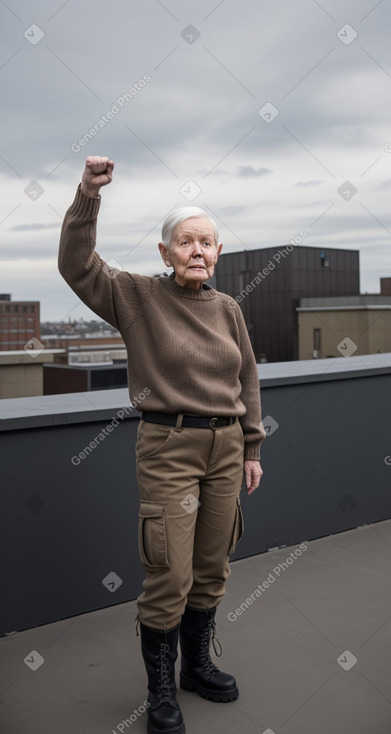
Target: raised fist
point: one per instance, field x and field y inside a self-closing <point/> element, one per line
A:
<point x="98" y="172"/>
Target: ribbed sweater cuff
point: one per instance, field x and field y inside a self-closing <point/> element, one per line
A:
<point x="252" y="451"/>
<point x="84" y="207"/>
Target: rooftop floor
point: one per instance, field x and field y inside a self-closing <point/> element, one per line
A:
<point x="312" y="654"/>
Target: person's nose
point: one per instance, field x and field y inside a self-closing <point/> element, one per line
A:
<point x="197" y="249"/>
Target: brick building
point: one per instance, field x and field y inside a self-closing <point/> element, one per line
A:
<point x="19" y="322"/>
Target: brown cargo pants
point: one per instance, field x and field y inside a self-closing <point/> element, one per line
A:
<point x="190" y="516"/>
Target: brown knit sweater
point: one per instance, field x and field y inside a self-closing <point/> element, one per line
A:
<point x="190" y="348"/>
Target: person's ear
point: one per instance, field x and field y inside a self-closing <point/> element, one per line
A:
<point x="219" y="248"/>
<point x="165" y="254"/>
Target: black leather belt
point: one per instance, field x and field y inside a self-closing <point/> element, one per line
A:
<point x="188" y="421"/>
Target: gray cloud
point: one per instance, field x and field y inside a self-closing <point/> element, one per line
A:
<point x="197" y="118"/>
<point x="251" y="172"/>
<point x="305" y="184"/>
<point x="33" y="227"/>
<point x="385" y="185"/>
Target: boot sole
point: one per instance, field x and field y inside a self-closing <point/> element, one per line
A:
<point x="177" y="730"/>
<point x="217" y="696"/>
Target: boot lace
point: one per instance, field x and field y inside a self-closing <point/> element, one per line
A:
<point x="208" y="634"/>
<point x="163" y="690"/>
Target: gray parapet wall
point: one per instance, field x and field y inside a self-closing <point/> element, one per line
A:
<point x="69" y="519"/>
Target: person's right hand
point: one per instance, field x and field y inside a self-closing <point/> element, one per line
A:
<point x="98" y="172"/>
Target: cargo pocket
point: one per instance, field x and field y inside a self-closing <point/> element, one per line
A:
<point x="238" y="528"/>
<point x="152" y="538"/>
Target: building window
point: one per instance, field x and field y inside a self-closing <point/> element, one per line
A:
<point x="24" y="309"/>
<point x="316" y="343"/>
<point x="7" y="309"/>
<point x="324" y="260"/>
<point x="32" y="308"/>
<point x="16" y="308"/>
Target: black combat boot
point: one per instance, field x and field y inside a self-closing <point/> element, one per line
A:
<point x="159" y="650"/>
<point x="198" y="673"/>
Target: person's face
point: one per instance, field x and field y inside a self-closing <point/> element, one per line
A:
<point x="192" y="252"/>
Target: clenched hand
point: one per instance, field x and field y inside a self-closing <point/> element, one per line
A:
<point x="98" y="172"/>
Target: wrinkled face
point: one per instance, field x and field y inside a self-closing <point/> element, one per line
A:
<point x="193" y="252"/>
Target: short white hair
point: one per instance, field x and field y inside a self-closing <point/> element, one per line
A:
<point x="179" y="215"/>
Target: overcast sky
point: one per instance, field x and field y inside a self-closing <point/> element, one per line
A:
<point x="267" y="108"/>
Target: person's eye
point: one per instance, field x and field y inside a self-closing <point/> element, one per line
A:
<point x="207" y="243"/>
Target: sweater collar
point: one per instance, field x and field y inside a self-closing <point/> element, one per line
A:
<point x="205" y="293"/>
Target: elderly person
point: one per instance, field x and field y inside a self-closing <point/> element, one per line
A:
<point x="200" y="429"/>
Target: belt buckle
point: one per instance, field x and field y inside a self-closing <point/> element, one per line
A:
<point x="212" y="422"/>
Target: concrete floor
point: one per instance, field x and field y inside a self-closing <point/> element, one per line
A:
<point x="311" y="653"/>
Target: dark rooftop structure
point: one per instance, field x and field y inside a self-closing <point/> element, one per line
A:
<point x="69" y="378"/>
<point x="268" y="284"/>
